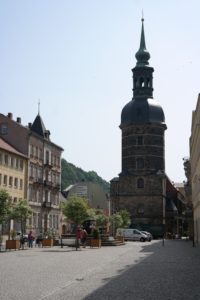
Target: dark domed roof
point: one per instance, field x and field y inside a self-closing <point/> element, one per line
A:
<point x="141" y="111"/>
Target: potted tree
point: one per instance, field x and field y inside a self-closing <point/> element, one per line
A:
<point x="76" y="211"/>
<point x="126" y="221"/>
<point x="4" y="212"/>
<point x="96" y="239"/>
<point x="13" y="243"/>
<point x="20" y="211"/>
<point x="48" y="238"/>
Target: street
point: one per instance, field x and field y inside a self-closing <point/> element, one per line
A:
<point x="132" y="271"/>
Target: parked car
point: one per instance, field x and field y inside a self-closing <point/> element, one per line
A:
<point x="132" y="234"/>
<point x="148" y="234"/>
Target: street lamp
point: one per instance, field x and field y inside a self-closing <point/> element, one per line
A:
<point x="162" y="174"/>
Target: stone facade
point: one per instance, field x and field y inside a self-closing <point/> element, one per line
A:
<point x="43" y="176"/>
<point x="195" y="169"/>
<point x="141" y="185"/>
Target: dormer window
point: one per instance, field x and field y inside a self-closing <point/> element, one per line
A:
<point x="4" y="129"/>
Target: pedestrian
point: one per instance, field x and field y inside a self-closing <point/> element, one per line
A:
<point x="30" y="239"/>
<point x="84" y="238"/>
<point x="78" y="237"/>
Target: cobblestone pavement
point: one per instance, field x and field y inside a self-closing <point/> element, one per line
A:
<point x="134" y="271"/>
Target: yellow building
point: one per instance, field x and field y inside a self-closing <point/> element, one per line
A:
<point x="13" y="172"/>
<point x="195" y="168"/>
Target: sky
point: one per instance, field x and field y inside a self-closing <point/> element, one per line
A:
<point x="76" y="57"/>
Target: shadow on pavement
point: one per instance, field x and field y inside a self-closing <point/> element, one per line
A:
<point x="171" y="272"/>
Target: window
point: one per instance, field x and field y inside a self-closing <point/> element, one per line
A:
<point x="47" y="157"/>
<point x="21" y="164"/>
<point x="6" y="159"/>
<point x="21" y="184"/>
<point x="10" y="181"/>
<point x="5" y="180"/>
<point x="0" y="158"/>
<point x="140" y="140"/>
<point x="36" y="152"/>
<point x="16" y="183"/>
<point x="0" y="178"/>
<point x="12" y="162"/>
<point x="140" y="183"/>
<point x="140" y="163"/>
<point x="15" y="199"/>
<point x="141" y="82"/>
<point x="4" y="129"/>
<point x="17" y="163"/>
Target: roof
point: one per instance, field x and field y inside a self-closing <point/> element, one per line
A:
<point x="38" y="126"/>
<point x="143" y="110"/>
<point x="7" y="147"/>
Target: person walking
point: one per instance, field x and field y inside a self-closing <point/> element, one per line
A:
<point x="78" y="238"/>
<point x="30" y="239"/>
<point x="84" y="238"/>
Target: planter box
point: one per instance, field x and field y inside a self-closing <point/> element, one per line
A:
<point x="13" y="244"/>
<point x="120" y="238"/>
<point x="47" y="243"/>
<point x="95" y="243"/>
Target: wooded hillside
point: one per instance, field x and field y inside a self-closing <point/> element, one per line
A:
<point x="72" y="174"/>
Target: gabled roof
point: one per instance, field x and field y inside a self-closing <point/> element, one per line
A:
<point x="7" y="147"/>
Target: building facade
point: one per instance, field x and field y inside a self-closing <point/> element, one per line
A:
<point x="44" y="169"/>
<point x="195" y="169"/>
<point x="13" y="173"/>
<point x="141" y="185"/>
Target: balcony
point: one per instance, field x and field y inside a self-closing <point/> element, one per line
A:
<point x="48" y="183"/>
<point x="38" y="181"/>
<point x="47" y="204"/>
<point x="48" y="164"/>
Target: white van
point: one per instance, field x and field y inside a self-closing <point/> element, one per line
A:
<point x="131" y="234"/>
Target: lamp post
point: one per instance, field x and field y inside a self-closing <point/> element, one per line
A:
<point x="162" y="174"/>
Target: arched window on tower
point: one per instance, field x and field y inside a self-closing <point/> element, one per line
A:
<point x="140" y="183"/>
<point x="135" y="82"/>
<point x="140" y="163"/>
<point x="148" y="82"/>
<point x="141" y="82"/>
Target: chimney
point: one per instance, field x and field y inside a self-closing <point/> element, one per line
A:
<point x="29" y="125"/>
<point x="18" y="120"/>
<point x="10" y="115"/>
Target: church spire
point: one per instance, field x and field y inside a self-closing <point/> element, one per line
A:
<point x="142" y="73"/>
<point x="142" y="54"/>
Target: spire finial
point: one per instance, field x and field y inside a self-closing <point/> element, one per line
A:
<point x="38" y="106"/>
<point x="142" y="55"/>
<point x="142" y="16"/>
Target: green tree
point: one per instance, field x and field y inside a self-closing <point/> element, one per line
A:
<point x="116" y="221"/>
<point x="126" y="218"/>
<point x="5" y="208"/>
<point x="21" y="211"/>
<point x="101" y="219"/>
<point x="75" y="209"/>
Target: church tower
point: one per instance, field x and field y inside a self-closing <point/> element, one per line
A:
<point x="139" y="187"/>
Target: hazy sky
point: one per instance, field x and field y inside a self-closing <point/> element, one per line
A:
<point x="76" y="57"/>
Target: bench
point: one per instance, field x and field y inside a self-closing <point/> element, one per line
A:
<point x="70" y="242"/>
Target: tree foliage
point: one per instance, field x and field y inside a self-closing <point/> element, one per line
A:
<point x="116" y="220"/>
<point x="72" y="174"/>
<point x="126" y="218"/>
<point x="121" y="219"/>
<point x="21" y="211"/>
<point x="5" y="206"/>
<point x="75" y="209"/>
